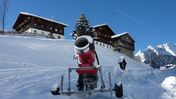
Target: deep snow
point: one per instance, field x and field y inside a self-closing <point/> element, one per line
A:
<point x="30" y="66"/>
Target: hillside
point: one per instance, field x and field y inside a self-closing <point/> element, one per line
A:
<point x="30" y="66"/>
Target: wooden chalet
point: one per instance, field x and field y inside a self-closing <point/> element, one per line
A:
<point x="31" y="24"/>
<point x="124" y="43"/>
<point x="103" y="33"/>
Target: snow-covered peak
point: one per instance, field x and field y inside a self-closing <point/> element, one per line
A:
<point x="169" y="48"/>
<point x="150" y="47"/>
<point x="140" y="55"/>
<point x="160" y="46"/>
<point x="161" y="54"/>
<point x="166" y="45"/>
<point x="163" y="49"/>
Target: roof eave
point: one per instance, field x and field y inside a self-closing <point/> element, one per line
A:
<point x="37" y="16"/>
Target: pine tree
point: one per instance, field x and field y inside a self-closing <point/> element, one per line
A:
<point x="82" y="27"/>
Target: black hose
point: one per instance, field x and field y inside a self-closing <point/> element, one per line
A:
<point x="97" y="57"/>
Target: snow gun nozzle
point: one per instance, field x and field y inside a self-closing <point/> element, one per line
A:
<point x="83" y="43"/>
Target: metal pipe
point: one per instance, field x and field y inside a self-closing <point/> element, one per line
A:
<point x="62" y="80"/>
<point x="101" y="77"/>
<point x="86" y="91"/>
<point x="110" y="85"/>
<point x="69" y="86"/>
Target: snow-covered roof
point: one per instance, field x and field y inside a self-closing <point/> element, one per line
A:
<point x="51" y="20"/>
<point x="100" y="25"/>
<point x="118" y="35"/>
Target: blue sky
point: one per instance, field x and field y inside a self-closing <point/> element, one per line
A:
<point x="149" y="22"/>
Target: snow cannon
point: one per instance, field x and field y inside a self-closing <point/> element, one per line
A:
<point x="85" y="53"/>
<point x="89" y="72"/>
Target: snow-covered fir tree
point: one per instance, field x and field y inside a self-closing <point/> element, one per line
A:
<point x="82" y="27"/>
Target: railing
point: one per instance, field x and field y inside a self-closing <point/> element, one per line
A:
<point x="26" y="34"/>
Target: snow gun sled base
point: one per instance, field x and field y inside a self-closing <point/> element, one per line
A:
<point x="117" y="88"/>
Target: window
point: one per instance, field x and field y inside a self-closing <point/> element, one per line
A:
<point x="118" y="50"/>
<point x="97" y="43"/>
<point x="127" y="38"/>
<point x="96" y="34"/>
<point x="60" y="31"/>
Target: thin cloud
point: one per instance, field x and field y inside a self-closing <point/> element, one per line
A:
<point x="130" y="17"/>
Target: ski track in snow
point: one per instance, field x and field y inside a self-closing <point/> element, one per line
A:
<point x="33" y="78"/>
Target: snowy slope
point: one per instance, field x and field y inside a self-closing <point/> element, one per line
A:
<point x="30" y="66"/>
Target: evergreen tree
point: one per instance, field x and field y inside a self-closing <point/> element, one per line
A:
<point x="82" y="27"/>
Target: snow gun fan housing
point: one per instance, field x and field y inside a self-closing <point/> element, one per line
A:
<point x="84" y="49"/>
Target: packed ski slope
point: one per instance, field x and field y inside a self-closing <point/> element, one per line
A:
<point x="30" y="66"/>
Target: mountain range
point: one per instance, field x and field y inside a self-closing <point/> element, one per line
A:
<point x="158" y="56"/>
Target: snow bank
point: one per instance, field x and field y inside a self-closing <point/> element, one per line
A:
<point x="169" y="84"/>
